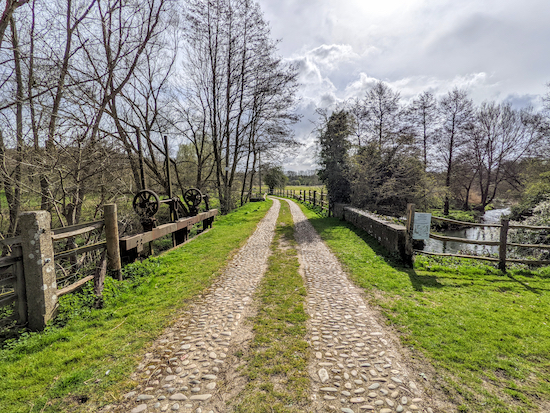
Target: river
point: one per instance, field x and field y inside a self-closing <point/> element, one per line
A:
<point x="472" y="233"/>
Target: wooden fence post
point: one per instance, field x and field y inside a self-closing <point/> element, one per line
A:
<point x="20" y="288"/>
<point x="409" y="232"/>
<point x="111" y="235"/>
<point x="502" y="248"/>
<point x="40" y="282"/>
<point x="314" y="198"/>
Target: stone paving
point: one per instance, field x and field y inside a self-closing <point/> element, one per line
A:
<point x="182" y="372"/>
<point x="356" y="367"/>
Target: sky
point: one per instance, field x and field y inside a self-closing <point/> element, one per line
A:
<point x="496" y="49"/>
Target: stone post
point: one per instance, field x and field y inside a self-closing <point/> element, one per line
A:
<point x="41" y="286"/>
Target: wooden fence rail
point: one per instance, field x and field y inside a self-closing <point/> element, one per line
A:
<point x="502" y="243"/>
<point x="29" y="270"/>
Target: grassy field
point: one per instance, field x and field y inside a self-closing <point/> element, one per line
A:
<point x="317" y="188"/>
<point x="277" y="360"/>
<point x="485" y="333"/>
<point x="85" y="360"/>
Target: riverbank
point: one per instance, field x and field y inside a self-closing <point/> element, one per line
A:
<point x="467" y="232"/>
<point x="456" y="214"/>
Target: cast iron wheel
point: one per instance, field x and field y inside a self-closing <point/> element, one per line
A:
<point x="146" y="203"/>
<point x="192" y="198"/>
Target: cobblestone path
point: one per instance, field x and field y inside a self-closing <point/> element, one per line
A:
<point x="355" y="365"/>
<point x="187" y="369"/>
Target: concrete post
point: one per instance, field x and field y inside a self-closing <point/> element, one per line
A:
<point x="41" y="286"/>
<point x="111" y="237"/>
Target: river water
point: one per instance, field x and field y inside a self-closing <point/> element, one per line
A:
<point x="472" y="233"/>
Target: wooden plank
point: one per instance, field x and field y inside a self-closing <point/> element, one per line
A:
<point x="20" y="287"/>
<point x="7" y="299"/>
<point x="10" y="241"/>
<point x="10" y="280"/>
<point x="469" y="224"/>
<point x="464" y="240"/>
<point x="75" y="230"/>
<point x="473" y="257"/>
<point x="6" y="270"/>
<point x="130" y="242"/>
<point x="81" y="250"/>
<point x="528" y="262"/>
<point x="527" y="227"/>
<point x="7" y="261"/>
<point x="539" y="246"/>
<point x="73" y="287"/>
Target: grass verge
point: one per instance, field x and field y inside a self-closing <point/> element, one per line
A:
<point x="86" y="359"/>
<point x="486" y="334"/>
<point x="276" y="365"/>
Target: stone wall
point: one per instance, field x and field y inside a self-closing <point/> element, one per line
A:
<point x="391" y="236"/>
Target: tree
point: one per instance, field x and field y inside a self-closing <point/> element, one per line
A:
<point x="423" y="117"/>
<point x="500" y="138"/>
<point x="456" y="111"/>
<point x="11" y="6"/>
<point x="275" y="178"/>
<point x="386" y="180"/>
<point x="235" y="81"/>
<point x="380" y="117"/>
<point x="334" y="155"/>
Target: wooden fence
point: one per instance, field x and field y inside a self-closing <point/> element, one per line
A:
<point x="502" y="243"/>
<point x="28" y="273"/>
<point x="313" y="198"/>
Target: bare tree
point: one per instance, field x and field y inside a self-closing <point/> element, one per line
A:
<point x="235" y="81"/>
<point x="11" y="6"/>
<point x="380" y="117"/>
<point x="423" y="117"/>
<point x="499" y="140"/>
<point x="456" y="111"/>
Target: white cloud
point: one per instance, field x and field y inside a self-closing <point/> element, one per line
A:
<point x="495" y="49"/>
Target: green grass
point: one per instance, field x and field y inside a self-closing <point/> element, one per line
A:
<point x="486" y="334"/>
<point x="87" y="362"/>
<point x="458" y="215"/>
<point x="278" y="356"/>
<point x="299" y="188"/>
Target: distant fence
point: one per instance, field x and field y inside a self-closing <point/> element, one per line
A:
<point x="502" y="243"/>
<point x="314" y="198"/>
<point x="28" y="274"/>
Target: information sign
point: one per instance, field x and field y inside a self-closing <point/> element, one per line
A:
<point x="421" y="229"/>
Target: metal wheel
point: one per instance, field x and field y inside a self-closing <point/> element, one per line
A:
<point x="181" y="209"/>
<point x="192" y="197"/>
<point x="146" y="203"/>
